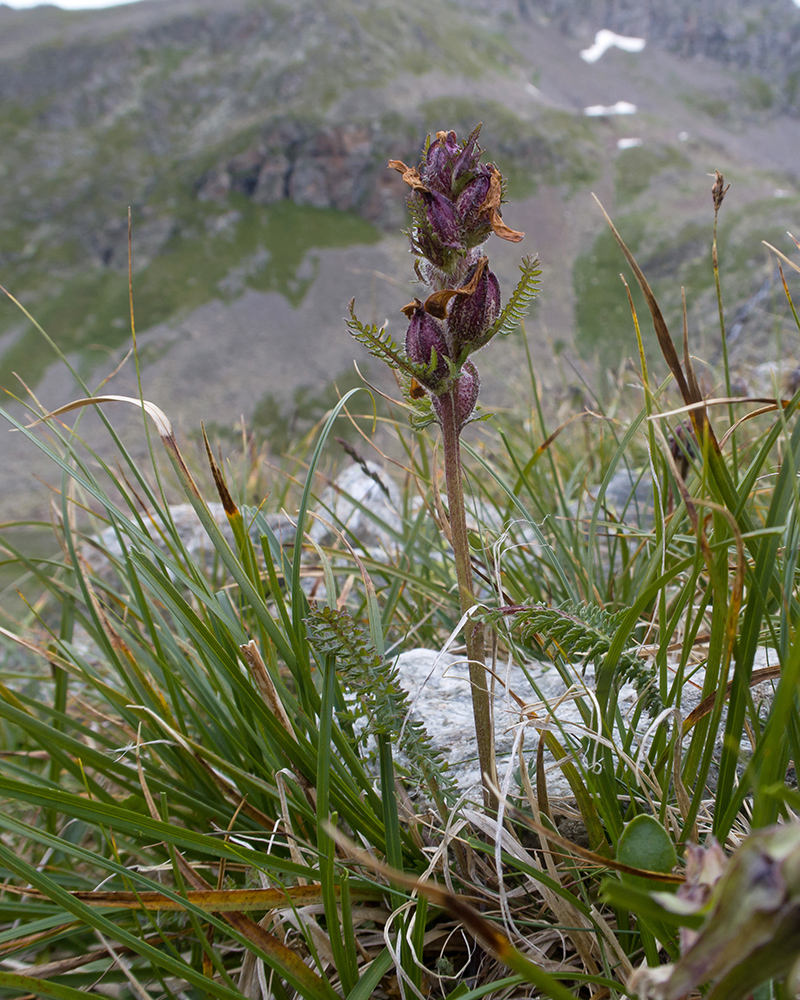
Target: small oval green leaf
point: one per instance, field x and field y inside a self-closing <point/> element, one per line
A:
<point x="646" y="844"/>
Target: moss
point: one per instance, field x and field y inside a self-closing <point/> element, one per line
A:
<point x="718" y="108"/>
<point x="791" y="88"/>
<point x="170" y="59"/>
<point x="602" y="315"/>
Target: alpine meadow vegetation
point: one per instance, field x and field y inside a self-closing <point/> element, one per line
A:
<point x="214" y="782"/>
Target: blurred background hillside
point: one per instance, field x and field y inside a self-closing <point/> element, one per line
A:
<point x="250" y="140"/>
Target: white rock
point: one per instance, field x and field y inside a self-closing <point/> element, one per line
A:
<point x="366" y="506"/>
<point x="190" y="531"/>
<point x="439" y="687"/>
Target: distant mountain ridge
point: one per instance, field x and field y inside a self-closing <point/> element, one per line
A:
<point x="250" y="139"/>
<point x="750" y="36"/>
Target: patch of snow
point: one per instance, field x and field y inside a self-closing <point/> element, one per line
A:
<point x="533" y="91"/>
<point x="605" y="39"/>
<point x="683" y="136"/>
<point x="628" y="143"/>
<point x="620" y="108"/>
<point x="782" y="192"/>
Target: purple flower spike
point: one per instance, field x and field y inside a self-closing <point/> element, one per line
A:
<point x="471" y="316"/>
<point x="424" y="336"/>
<point x="437" y="172"/>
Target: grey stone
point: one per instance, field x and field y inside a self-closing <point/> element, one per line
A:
<point x="365" y="503"/>
<point x="191" y="532"/>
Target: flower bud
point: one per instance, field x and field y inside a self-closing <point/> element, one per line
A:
<point x="465" y="395"/>
<point x="442" y="220"/>
<point x="467" y="162"/>
<point x="471" y="316"/>
<point x="467" y="388"/>
<point x="437" y="171"/>
<point x="470" y="212"/>
<point x="424" y="336"/>
<point x="436" y="234"/>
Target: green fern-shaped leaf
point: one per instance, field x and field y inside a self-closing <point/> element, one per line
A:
<point x="380" y="344"/>
<point x="587" y="632"/>
<point x="420" y="408"/>
<point x="517" y="306"/>
<point x="377" y="340"/>
<point x="380" y="700"/>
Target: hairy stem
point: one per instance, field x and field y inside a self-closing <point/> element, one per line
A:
<point x="473" y="631"/>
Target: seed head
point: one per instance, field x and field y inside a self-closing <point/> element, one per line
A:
<point x="718" y="190"/>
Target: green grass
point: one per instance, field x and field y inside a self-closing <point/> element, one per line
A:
<point x="676" y="254"/>
<point x="196" y="727"/>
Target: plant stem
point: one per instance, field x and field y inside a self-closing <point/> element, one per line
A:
<point x="724" y="334"/>
<point x="473" y="631"/>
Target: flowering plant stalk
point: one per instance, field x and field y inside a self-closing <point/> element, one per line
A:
<point x="455" y="207"/>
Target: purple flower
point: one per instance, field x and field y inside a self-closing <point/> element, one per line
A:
<point x="467" y="162"/>
<point x="467" y="388"/>
<point x="465" y="394"/>
<point x="436" y="236"/>
<point x="470" y="209"/>
<point x="471" y="316"/>
<point x="424" y="336"/>
<point x="442" y="220"/>
<point x="437" y="171"/>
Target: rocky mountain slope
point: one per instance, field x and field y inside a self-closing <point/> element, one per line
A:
<point x="250" y="139"/>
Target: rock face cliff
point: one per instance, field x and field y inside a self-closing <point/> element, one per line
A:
<point x="759" y="37"/>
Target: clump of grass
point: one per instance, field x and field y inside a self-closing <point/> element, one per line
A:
<point x="195" y="806"/>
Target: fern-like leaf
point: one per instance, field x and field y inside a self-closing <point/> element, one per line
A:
<point x="377" y="340"/>
<point x="380" y="344"/>
<point x="517" y="306"/>
<point x="420" y="407"/>
<point x="379" y="698"/>
<point x="588" y="632"/>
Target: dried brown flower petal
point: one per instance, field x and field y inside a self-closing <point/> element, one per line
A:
<point x="410" y="175"/>
<point x="491" y="205"/>
<point x="437" y="302"/>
